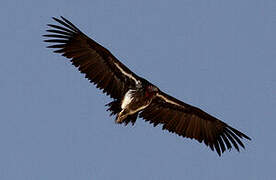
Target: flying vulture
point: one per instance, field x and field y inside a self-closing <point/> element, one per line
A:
<point x="133" y="95"/>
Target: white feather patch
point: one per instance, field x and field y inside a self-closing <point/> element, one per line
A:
<point x="127" y="98"/>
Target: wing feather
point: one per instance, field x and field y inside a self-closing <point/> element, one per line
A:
<point x="92" y="59"/>
<point x="191" y="122"/>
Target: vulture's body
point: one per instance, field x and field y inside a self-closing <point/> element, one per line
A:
<point x="134" y="95"/>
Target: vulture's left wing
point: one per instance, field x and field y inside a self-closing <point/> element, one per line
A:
<point x="92" y="59"/>
<point x="191" y="122"/>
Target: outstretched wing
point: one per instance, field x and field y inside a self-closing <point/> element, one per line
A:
<point x="191" y="122"/>
<point x="92" y="59"/>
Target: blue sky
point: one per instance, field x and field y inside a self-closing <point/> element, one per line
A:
<point x="217" y="55"/>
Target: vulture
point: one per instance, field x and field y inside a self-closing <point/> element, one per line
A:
<point x="134" y="96"/>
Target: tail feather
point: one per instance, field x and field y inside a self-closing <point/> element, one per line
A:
<point x="115" y="108"/>
<point x="131" y="118"/>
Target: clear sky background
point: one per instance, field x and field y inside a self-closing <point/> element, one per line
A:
<point x="217" y="55"/>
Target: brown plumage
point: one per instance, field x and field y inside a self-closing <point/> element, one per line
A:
<point x="134" y="95"/>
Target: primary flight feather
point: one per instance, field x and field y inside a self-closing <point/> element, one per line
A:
<point x="133" y="95"/>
